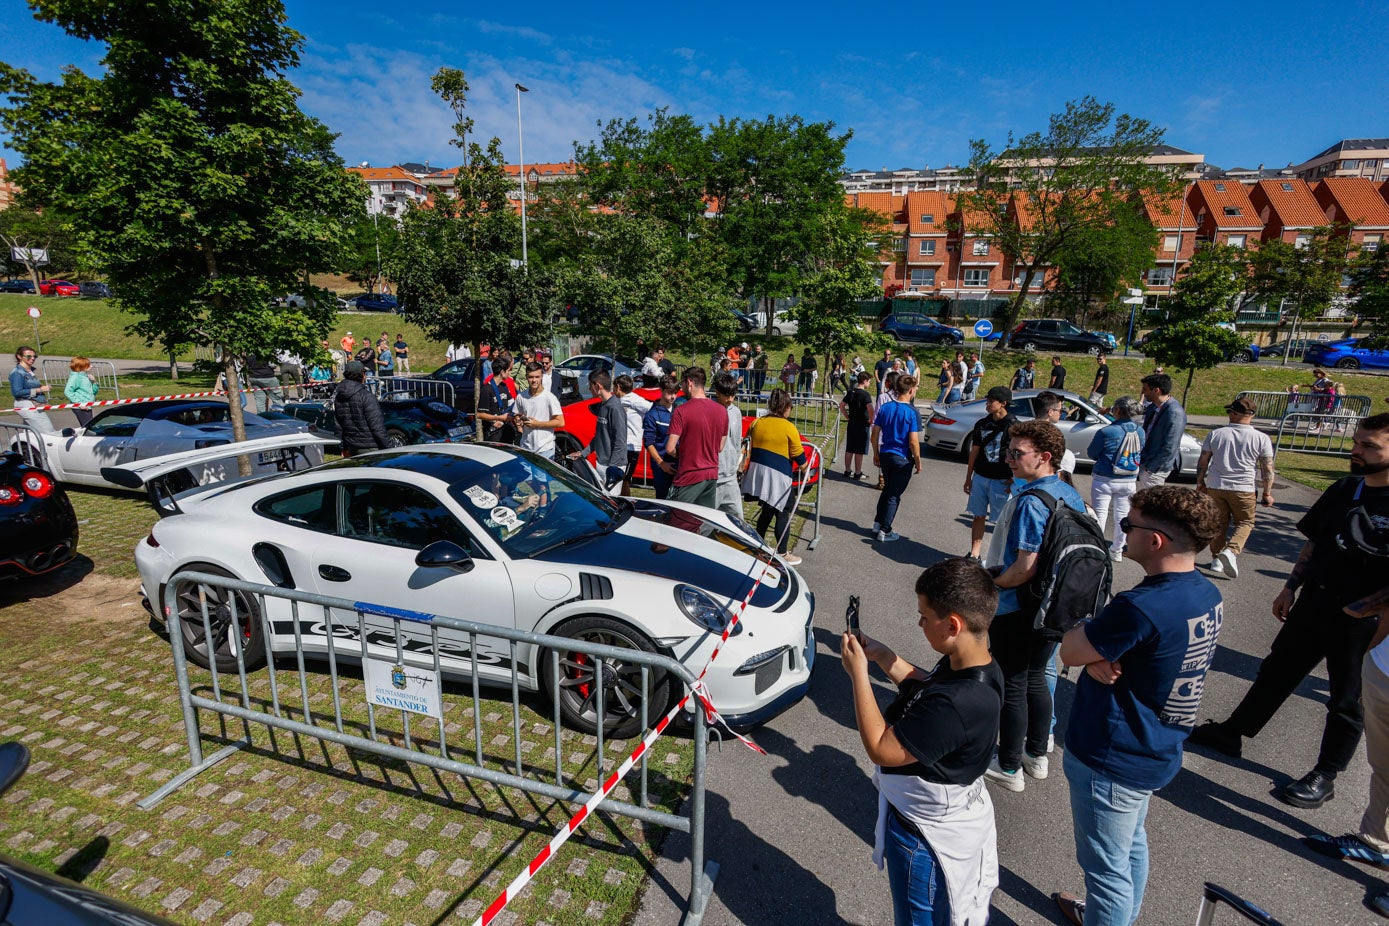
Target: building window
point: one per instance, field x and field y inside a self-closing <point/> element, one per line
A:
<point x="1352" y="164"/>
<point x="1171" y="243"/>
<point x="1287" y="187"/>
<point x="928" y="248"/>
<point x="1220" y="188"/>
<point x="1371" y="242"/>
<point x="981" y="248"/>
<point x="928" y="219"/>
<point x="977" y="276"/>
<point x="922" y="279"/>
<point x="1232" y="210"/>
<point x="1235" y="241"/>
<point x="1301" y="242"/>
<point x="1159" y="276"/>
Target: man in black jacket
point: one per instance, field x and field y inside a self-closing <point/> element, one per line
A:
<point x="360" y="426"/>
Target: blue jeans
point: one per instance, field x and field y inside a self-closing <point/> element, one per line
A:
<point x="919" y="896"/>
<point x="1111" y="843"/>
<point x="897" y="472"/>
<point x="1051" y="682"/>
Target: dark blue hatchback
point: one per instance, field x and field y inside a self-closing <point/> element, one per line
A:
<point x="920" y="328"/>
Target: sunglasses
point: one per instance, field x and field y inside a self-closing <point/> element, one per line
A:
<point x="1018" y="454"/>
<point x="29" y="356"/>
<point x="1126" y="526"/>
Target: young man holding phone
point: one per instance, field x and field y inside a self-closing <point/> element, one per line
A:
<point x="935" y="828"/>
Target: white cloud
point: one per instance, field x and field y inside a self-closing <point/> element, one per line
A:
<point x="520" y="32"/>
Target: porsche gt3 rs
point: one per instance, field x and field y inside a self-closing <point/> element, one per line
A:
<point x="500" y="536"/>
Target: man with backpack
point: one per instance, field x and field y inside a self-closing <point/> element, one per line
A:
<point x="1117" y="450"/>
<point x="1230" y="458"/>
<point x="1145" y="657"/>
<point x="1019" y="645"/>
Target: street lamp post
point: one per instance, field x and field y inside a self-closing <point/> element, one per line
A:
<point x="521" y="150"/>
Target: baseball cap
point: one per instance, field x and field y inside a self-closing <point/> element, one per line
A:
<point x="1000" y="394"/>
<point x="1241" y="407"/>
<point x="354" y="367"/>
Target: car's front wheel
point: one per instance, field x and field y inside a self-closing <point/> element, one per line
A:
<point x="1028" y="346"/>
<point x="233" y="617"/>
<point x="1348" y="363"/>
<point x="581" y="678"/>
<point x="397" y="438"/>
<point x="1244" y="356"/>
<point x="1094" y="350"/>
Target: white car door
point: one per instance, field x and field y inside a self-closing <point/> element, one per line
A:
<point x="107" y="441"/>
<point x="370" y="558"/>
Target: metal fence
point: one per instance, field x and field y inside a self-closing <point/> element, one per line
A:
<point x="1316" y="433"/>
<point x="409" y="387"/>
<point x="1276" y="405"/>
<point x="408" y="644"/>
<point x="818" y="420"/>
<point x="56" y="372"/>
<point x="18" y="437"/>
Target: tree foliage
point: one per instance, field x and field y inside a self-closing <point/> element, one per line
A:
<point x="1369" y="287"/>
<point x="1045" y="191"/>
<point x="49" y="230"/>
<point x="1095" y="267"/>
<point x="195" y="184"/>
<point x="841" y="276"/>
<point x="370" y="246"/>
<point x="1203" y="300"/>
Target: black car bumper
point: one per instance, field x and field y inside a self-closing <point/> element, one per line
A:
<point x="40" y="536"/>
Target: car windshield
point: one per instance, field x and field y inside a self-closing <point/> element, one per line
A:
<point x="529" y="505"/>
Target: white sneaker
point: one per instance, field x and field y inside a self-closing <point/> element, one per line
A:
<point x="1012" y="781"/>
<point x="1116" y="556"/>
<point x="1227" y="560"/>
<point x="1036" y="766"/>
<point x="1216" y="565"/>
<point x="888" y="537"/>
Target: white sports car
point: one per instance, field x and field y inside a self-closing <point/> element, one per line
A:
<point x="494" y="535"/>
<point x="138" y="432"/>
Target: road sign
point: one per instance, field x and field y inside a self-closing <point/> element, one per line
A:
<point x="1132" y="300"/>
<point x="34" y="312"/>
<point x="983" y="328"/>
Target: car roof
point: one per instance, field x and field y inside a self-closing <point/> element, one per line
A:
<point x="162" y="409"/>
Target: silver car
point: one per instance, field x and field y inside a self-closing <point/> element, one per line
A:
<point x="948" y="428"/>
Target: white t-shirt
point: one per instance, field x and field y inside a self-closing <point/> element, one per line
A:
<point x="1235" y="451"/>
<point x="636" y="408"/>
<point x="457" y="352"/>
<point x="732" y="453"/>
<point x="541" y="407"/>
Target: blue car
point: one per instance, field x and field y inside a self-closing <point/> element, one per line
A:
<point x="371" y="302"/>
<point x="1346" y="354"/>
<point x="914" y="326"/>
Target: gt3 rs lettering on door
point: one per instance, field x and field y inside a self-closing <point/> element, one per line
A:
<point x="358" y="539"/>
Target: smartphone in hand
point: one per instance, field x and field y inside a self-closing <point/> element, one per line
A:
<point x="851" y="616"/>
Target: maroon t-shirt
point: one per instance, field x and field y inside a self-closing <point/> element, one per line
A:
<point x="701" y="425"/>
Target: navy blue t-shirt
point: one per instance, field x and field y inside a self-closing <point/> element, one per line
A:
<point x="1162" y="632"/>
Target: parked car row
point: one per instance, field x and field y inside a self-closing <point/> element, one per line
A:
<point x="1345" y="354"/>
<point x="92" y="289"/>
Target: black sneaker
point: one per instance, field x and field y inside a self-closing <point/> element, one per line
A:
<point x="1310" y="791"/>
<point x="1214" y="735"/>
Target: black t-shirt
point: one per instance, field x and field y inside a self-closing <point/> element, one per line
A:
<point x="666" y="366"/>
<point x="487" y="403"/>
<point x="1343" y="576"/>
<point x="948" y="722"/>
<point x="859" y="402"/>
<point x="1102" y="379"/>
<point x="991" y="437"/>
<point x="808" y="363"/>
<point x="1058" y="377"/>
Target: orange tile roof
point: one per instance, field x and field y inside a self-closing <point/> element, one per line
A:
<point x="566" y="169"/>
<point x="1231" y="195"/>
<point x="1168" y="211"/>
<point x="1295" y="208"/>
<point x="384" y="173"/>
<point x="878" y="202"/>
<point x="1360" y="203"/>
<point x="928" y="202"/>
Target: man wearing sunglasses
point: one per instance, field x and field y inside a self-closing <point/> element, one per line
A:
<point x="1145" y="657"/>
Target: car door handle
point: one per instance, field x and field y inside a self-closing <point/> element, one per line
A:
<point x="334" y="573"/>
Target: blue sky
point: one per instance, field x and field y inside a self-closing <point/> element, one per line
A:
<point x="1269" y="83"/>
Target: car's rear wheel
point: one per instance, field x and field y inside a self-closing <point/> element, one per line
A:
<point x="397" y="438"/>
<point x="1094" y="350"/>
<point x="1244" y="356"/>
<point x="581" y="677"/>
<point x="1348" y="363"/>
<point x="244" y="631"/>
<point x="1028" y="346"/>
<point x="966" y="446"/>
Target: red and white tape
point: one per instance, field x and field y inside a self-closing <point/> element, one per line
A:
<point x="699" y="692"/>
<point x="152" y="398"/>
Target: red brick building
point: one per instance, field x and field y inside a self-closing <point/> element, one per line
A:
<point x="1358" y="203"/>
<point x="1224" y="214"/>
<point x="928" y="254"/>
<point x="1176" y="225"/>
<point x="1288" y="209"/>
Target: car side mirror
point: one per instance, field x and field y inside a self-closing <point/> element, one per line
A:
<point x="68" y="432"/>
<point x="14" y="760"/>
<point x="444" y="554"/>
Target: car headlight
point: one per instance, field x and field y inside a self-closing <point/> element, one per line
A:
<point x="703" y="610"/>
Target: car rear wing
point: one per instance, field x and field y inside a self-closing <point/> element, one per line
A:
<point x="175" y="476"/>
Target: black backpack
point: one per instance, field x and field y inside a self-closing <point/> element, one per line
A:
<point x="1074" y="571"/>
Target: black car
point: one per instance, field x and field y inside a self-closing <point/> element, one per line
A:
<point x="745" y="322"/>
<point x="37" y="522"/>
<point x="94" y="289"/>
<point x="1056" y="334"/>
<point x="32" y="895"/>
<point x="17" y="286"/>
<point x="420" y="420"/>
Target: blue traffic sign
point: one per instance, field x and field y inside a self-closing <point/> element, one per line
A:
<point x="983" y="328"/>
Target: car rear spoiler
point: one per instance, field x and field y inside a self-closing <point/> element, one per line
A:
<point x="173" y="476"/>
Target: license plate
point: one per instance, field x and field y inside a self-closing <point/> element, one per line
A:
<point x="273" y="456"/>
<point x="459" y="432"/>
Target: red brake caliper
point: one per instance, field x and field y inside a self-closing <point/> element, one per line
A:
<point x="582" y="659"/>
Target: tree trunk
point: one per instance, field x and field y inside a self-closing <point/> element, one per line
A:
<point x="769" y="309"/>
<point x="173" y="366"/>
<point x="1006" y="339"/>
<point x="1291" y="337"/>
<point x="478" y="430"/>
<point x="238" y="419"/>
<point x="1189" y="374"/>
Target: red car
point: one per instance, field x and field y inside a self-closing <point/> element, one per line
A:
<point x="581" y="421"/>
<point x="58" y="288"/>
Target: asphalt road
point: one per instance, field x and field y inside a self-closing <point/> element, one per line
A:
<point x="793" y="831"/>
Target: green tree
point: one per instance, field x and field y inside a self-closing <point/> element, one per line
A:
<point x="841" y="275"/>
<point x="194" y="182"/>
<point x="1369" y="287"/>
<point x="772" y="182"/>
<point x="1101" y="262"/>
<point x="1199" y="333"/>
<point x="1305" y="279"/>
<point x="458" y="264"/>
<point x="1044" y="191"/>
<point x="369" y="248"/>
<point x="28" y="230"/>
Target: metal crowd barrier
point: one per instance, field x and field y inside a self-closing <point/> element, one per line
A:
<point x="403" y="387"/>
<point x="56" y="373"/>
<point x="1277" y="405"/>
<point x="347" y="643"/>
<point x="1316" y="433"/>
<point x="818" y="420"/>
<point x="18" y="437"/>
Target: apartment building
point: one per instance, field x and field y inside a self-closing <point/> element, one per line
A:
<point x="1288" y="210"/>
<point x="1364" y="158"/>
<point x="1176" y="225"/>
<point x="1224" y="213"/>
<point x="928" y="252"/>
<point x="1358" y="203"/>
<point x="391" y="190"/>
<point x="8" y="191"/>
